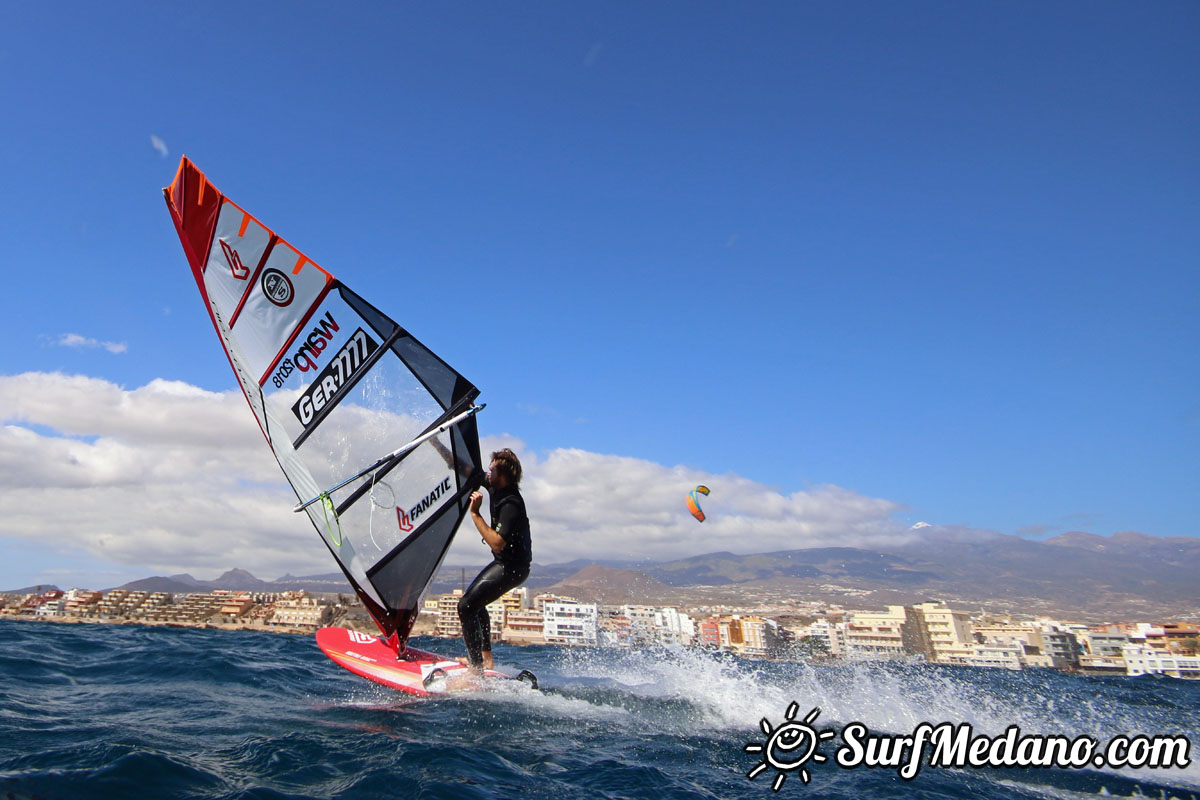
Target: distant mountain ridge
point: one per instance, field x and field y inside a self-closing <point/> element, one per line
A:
<point x="38" y="589"/>
<point x="1081" y="574"/>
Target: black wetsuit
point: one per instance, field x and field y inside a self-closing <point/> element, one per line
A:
<point x="508" y="570"/>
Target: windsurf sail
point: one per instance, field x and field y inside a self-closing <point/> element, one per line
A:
<point x="375" y="433"/>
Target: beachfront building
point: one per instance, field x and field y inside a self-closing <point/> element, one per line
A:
<point x="946" y="633"/>
<point x="497" y="611"/>
<point x="1045" y="643"/>
<point x="569" y="623"/>
<point x="300" y="612"/>
<point x="723" y="632"/>
<point x="997" y="656"/>
<point x="1062" y="647"/>
<point x="673" y="627"/>
<point x="1140" y="633"/>
<point x="236" y="607"/>
<point x="1029" y="636"/>
<point x="1180" y="637"/>
<point x="740" y="633"/>
<point x="1103" y="665"/>
<point x="539" y="602"/>
<point x="511" y="602"/>
<point x="515" y="599"/>
<point x="448" y="623"/>
<point x="895" y="633"/>
<point x="632" y="626"/>
<point x="51" y="607"/>
<point x="28" y="604"/>
<point x="643" y="631"/>
<point x="1105" y="643"/>
<point x="524" y="627"/>
<point x="80" y="602"/>
<point x="1146" y="660"/>
<point x="830" y="637"/>
<point x="614" y="629"/>
<point x="760" y="637"/>
<point x="111" y="604"/>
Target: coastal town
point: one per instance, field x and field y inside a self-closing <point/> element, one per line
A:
<point x="930" y="632"/>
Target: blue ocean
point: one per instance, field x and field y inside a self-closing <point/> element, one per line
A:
<point x="104" y="711"/>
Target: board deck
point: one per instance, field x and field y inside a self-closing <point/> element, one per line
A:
<point x="372" y="658"/>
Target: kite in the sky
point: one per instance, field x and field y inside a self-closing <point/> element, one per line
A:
<point x="693" y="501"/>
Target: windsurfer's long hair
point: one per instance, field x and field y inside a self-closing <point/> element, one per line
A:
<point x="508" y="463"/>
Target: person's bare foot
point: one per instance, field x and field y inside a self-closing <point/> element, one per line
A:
<point x="473" y="669"/>
<point x="463" y="681"/>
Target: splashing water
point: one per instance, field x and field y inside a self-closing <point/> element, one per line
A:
<point x="109" y="711"/>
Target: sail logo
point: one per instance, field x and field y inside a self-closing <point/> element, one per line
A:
<point x="239" y="270"/>
<point x="305" y="357"/>
<point x="430" y="500"/>
<point x="337" y="374"/>
<point x="277" y="287"/>
<point x="404" y="520"/>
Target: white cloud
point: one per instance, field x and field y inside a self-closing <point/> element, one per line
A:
<point x="159" y="145"/>
<point x="75" y="340"/>
<point x="173" y="478"/>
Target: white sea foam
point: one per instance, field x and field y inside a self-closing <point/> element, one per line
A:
<point x="702" y="691"/>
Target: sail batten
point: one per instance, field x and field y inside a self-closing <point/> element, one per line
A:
<point x="333" y="383"/>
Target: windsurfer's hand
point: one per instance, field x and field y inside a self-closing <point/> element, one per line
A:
<point x="476" y="500"/>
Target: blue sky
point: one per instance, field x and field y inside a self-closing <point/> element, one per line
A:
<point x="941" y="256"/>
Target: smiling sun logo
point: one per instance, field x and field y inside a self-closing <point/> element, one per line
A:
<point x="788" y="747"/>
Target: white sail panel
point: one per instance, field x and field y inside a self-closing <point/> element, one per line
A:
<point x="238" y="246"/>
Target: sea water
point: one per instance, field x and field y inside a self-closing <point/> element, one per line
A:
<point x="106" y="711"/>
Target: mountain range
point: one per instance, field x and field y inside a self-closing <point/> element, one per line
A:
<point x="1081" y="575"/>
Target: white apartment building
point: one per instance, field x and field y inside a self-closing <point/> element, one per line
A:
<point x="674" y="627"/>
<point x="51" y="608"/>
<point x="569" y="622"/>
<point x="1143" y="660"/>
<point x="832" y="636"/>
<point x="1100" y="643"/>
<point x="997" y="656"/>
<point x="643" y="630"/>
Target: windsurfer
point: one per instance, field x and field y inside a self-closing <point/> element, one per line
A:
<point x="508" y="537"/>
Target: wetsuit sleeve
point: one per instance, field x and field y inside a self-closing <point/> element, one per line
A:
<point x="507" y="517"/>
